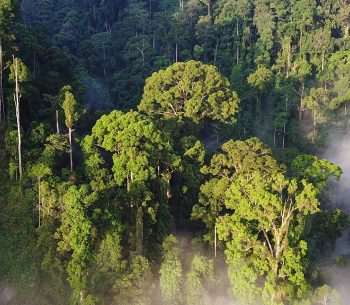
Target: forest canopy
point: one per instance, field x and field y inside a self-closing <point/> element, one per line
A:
<point x="172" y="152"/>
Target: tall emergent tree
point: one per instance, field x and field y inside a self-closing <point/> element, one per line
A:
<point x="19" y="74"/>
<point x="188" y="93"/>
<point x="72" y="115"/>
<point x="263" y="229"/>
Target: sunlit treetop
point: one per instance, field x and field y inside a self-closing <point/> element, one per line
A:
<point x="189" y="90"/>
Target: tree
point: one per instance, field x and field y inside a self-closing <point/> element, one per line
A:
<point x="189" y="93"/>
<point x="76" y="235"/>
<point x="236" y="158"/>
<point x="69" y="106"/>
<point x="39" y="171"/>
<point x="136" y="286"/>
<point x="199" y="279"/>
<point x="143" y="162"/>
<point x="19" y="74"/>
<point x="263" y="233"/>
<point x="171" y="272"/>
<point x="261" y="79"/>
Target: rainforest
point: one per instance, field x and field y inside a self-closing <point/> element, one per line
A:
<point x="174" y="152"/>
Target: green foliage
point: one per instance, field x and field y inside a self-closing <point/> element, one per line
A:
<point x="200" y="276"/>
<point x="70" y="109"/>
<point x="170" y="279"/>
<point x="136" y="286"/>
<point x="189" y="91"/>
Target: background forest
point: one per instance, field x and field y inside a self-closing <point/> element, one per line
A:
<point x="173" y="152"/>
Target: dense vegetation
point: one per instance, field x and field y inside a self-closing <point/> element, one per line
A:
<point x="165" y="152"/>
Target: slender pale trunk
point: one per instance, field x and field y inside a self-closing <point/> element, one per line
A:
<point x="215" y="240"/>
<point x="70" y="148"/>
<point x="288" y="59"/>
<point x="323" y="60"/>
<point x="17" y="106"/>
<point x="57" y="124"/>
<point x="39" y="202"/>
<point x="301" y="41"/>
<point x="274" y="137"/>
<point x="301" y="100"/>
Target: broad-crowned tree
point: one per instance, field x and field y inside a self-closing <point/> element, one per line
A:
<point x="143" y="162"/>
<point x="236" y="158"/>
<point x="188" y="93"/>
<point x="263" y="226"/>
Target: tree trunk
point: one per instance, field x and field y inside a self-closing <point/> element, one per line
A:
<point x="17" y="107"/>
<point x="39" y="201"/>
<point x="215" y="240"/>
<point x="70" y="148"/>
<point x="57" y="124"/>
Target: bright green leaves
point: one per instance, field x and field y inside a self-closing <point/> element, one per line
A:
<point x="243" y="158"/>
<point x="23" y="73"/>
<point x="70" y="106"/>
<point x="260" y="214"/>
<point x="136" y="286"/>
<point x="189" y="91"/>
<point x="137" y="145"/>
<point x="171" y="272"/>
<point x="6" y="17"/>
<point x="314" y="170"/>
<point x="143" y="162"/>
<point x="76" y="234"/>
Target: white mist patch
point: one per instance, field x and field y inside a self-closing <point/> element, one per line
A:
<point x="338" y="152"/>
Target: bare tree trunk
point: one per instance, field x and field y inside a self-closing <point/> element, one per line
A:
<point x="181" y="3"/>
<point x="39" y="201"/>
<point x="215" y="240"/>
<point x="17" y="106"/>
<point x="70" y="148"/>
<point x="57" y="123"/>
